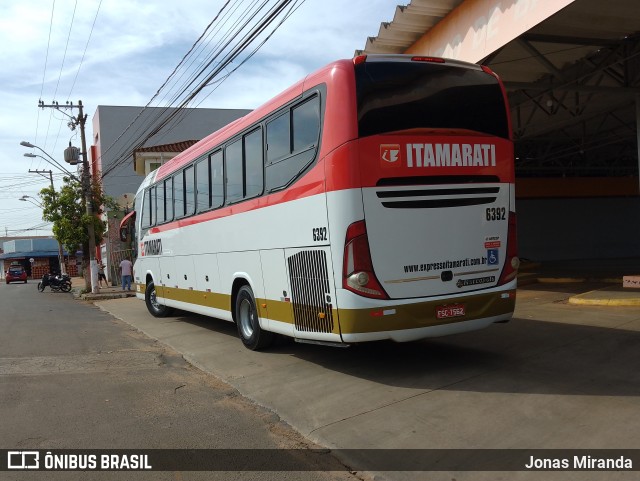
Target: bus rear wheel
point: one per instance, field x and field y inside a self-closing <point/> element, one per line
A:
<point x="249" y="330"/>
<point x="155" y="308"/>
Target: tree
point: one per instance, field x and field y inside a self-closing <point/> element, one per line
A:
<point x="66" y="210"/>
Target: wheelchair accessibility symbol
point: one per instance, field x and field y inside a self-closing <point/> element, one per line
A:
<point x="492" y="257"/>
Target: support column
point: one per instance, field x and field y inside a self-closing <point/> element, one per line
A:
<point x="638" y="135"/>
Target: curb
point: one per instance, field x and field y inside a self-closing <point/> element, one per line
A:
<point x="104" y="297"/>
<point x="570" y="280"/>
<point x="77" y="294"/>
<point x="629" y="302"/>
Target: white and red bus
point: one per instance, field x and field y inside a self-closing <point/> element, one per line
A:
<point x="372" y="200"/>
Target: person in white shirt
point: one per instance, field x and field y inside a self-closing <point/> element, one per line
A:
<point x="126" y="270"/>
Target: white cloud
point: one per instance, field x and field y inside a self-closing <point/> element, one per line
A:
<point x="134" y="46"/>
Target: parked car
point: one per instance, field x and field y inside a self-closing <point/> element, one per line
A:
<point x="16" y="274"/>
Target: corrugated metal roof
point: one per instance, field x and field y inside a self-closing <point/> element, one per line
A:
<point x="410" y="22"/>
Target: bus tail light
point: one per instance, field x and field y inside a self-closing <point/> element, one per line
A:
<point x="512" y="262"/>
<point x="357" y="268"/>
<point x="359" y="59"/>
<point x="428" y="59"/>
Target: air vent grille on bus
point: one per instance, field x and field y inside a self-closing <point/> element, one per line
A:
<point x="309" y="291"/>
<point x="424" y="198"/>
<point x="438" y="180"/>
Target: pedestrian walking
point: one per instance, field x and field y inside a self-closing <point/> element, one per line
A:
<point x="101" y="275"/>
<point x="126" y="270"/>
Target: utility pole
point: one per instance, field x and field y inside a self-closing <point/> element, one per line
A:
<point x="86" y="184"/>
<point x="63" y="269"/>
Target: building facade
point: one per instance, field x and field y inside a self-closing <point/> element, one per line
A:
<point x="38" y="256"/>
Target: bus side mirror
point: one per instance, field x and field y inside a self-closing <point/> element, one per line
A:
<point x="124" y="234"/>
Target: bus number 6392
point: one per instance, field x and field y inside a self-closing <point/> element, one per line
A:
<point x="319" y="234"/>
<point x="496" y="213"/>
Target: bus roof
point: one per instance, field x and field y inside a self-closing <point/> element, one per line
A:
<point x="322" y="75"/>
<point x="218" y="137"/>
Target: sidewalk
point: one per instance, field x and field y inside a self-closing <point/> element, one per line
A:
<point x="603" y="271"/>
<point x="107" y="292"/>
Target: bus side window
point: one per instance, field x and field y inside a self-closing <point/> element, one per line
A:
<point x="160" y="203"/>
<point x="306" y="124"/>
<point x="146" y="209"/>
<point x="168" y="198"/>
<point x="233" y="157"/>
<point x="203" y="185"/>
<point x="152" y="206"/>
<point x="178" y="194"/>
<point x="189" y="191"/>
<point x="253" y="164"/>
<point x="278" y="138"/>
<point x="287" y="157"/>
<point x="217" y="180"/>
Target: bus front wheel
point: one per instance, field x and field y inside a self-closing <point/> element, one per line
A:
<point x="155" y="308"/>
<point x="251" y="334"/>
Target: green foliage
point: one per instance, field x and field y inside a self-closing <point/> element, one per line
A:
<point x="66" y="210"/>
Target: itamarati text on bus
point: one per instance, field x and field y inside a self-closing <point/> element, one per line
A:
<point x="372" y="200"/>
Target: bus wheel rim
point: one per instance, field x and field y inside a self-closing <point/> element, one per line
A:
<point x="153" y="300"/>
<point x="246" y="318"/>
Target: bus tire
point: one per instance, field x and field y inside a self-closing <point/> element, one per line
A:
<point x="249" y="330"/>
<point x="156" y="309"/>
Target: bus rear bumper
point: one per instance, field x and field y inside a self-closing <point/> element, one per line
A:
<point x="429" y="318"/>
<point x="408" y="335"/>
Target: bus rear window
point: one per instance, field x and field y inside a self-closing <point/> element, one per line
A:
<point x="396" y="96"/>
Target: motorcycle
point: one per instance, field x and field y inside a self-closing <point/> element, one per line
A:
<point x="56" y="282"/>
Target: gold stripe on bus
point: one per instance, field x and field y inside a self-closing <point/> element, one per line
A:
<point x="412" y="279"/>
<point x="423" y="314"/>
<point x="277" y="310"/>
<point x="468" y="273"/>
<point x="433" y="278"/>
<point x="200" y="298"/>
<point x="353" y="321"/>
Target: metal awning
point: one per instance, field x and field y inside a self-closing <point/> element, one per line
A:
<point x="410" y="22"/>
<point x="27" y="255"/>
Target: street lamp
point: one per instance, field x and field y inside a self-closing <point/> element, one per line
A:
<point x="86" y="187"/>
<point x="28" y="198"/>
<point x="33" y="156"/>
<point x="31" y="200"/>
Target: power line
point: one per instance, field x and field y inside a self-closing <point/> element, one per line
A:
<point x="149" y="103"/>
<point x="66" y="48"/>
<point x="125" y="150"/>
<point x="85" y="51"/>
<point x="142" y="129"/>
<point x="189" y="52"/>
<point x="233" y="47"/>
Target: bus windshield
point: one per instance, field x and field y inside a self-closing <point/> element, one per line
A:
<point x="395" y="96"/>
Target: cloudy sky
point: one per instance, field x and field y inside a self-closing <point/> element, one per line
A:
<point x="119" y="52"/>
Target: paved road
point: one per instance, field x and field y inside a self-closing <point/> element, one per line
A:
<point x="558" y="376"/>
<point x="72" y="376"/>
